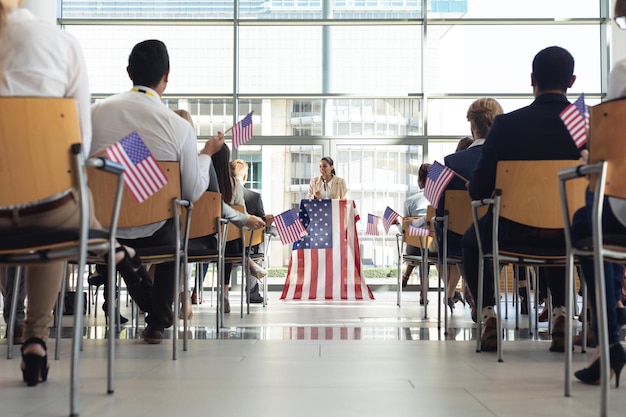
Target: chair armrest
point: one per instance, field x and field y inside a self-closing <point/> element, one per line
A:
<point x="105" y="164"/>
<point x="579" y="171"/>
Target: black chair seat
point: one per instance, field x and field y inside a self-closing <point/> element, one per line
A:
<point x="615" y="241"/>
<point x="27" y="238"/>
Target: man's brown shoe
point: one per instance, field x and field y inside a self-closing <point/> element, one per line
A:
<point x="489" y="338"/>
<point x="152" y="336"/>
<point x="558" y="334"/>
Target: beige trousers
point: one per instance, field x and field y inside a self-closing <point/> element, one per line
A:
<point x="43" y="282"/>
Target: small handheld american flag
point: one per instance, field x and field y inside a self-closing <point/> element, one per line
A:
<point x="289" y="227"/>
<point x="418" y="231"/>
<point x="576" y="120"/>
<point x="389" y="217"/>
<point x="437" y="180"/>
<point x="242" y="131"/>
<point x="142" y="175"/>
<point x="372" y="225"/>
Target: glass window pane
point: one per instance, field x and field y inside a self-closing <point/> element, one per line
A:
<point x="476" y="9"/>
<point x="459" y="63"/>
<point x="200" y="57"/>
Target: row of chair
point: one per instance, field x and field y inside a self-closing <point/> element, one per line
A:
<point x="545" y="194"/>
<point x="46" y="160"/>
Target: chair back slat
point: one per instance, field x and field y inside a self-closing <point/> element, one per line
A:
<point x="206" y="212"/>
<point x="37" y="132"/>
<point x="607" y="142"/>
<point x="158" y="207"/>
<point x="530" y="192"/>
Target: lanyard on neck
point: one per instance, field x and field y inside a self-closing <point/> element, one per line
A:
<point x="141" y="90"/>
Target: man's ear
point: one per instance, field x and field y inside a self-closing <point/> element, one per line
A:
<point x="166" y="76"/>
<point x="571" y="81"/>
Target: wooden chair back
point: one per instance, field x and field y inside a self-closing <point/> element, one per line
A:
<point x="458" y="204"/>
<point x="158" y="207"/>
<point x="206" y="213"/>
<point x="419" y="241"/>
<point x="607" y="142"/>
<point x="38" y="132"/>
<point x="250" y="238"/>
<point x="530" y="192"/>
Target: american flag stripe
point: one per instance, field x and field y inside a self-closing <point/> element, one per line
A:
<point x="418" y="231"/>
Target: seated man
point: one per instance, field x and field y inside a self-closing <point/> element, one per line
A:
<point x="534" y="132"/>
<point x="169" y="138"/>
<point x="254" y="206"/>
<point x="415" y="206"/>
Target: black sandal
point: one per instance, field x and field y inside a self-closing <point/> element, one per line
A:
<point x="34" y="367"/>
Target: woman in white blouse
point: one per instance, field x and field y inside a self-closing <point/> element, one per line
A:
<point x="328" y="184"/>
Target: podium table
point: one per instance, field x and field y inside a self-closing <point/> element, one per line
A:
<point x="326" y="264"/>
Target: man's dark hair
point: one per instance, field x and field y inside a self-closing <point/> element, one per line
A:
<point x="148" y="62"/>
<point x="553" y="68"/>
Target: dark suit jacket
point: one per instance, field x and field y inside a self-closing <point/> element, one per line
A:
<point x="534" y="132"/>
<point x="463" y="163"/>
<point x="254" y="204"/>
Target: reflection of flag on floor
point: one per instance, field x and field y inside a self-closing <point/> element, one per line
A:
<point x="372" y="225"/>
<point x="326" y="264"/>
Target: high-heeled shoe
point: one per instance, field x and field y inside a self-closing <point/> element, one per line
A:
<point x="591" y="374"/>
<point x="458" y="298"/>
<point x="450" y="302"/>
<point x="123" y="320"/>
<point x="258" y="272"/>
<point x="34" y="367"/>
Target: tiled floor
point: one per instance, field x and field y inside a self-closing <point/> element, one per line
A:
<point x="314" y="359"/>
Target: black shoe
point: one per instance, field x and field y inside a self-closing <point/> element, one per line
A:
<point x="123" y="320"/>
<point x="405" y="282"/>
<point x="34" y="367"/>
<point x="96" y="280"/>
<point x="591" y="375"/>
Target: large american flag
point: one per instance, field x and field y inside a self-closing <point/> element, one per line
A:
<point x="289" y="227"/>
<point x="326" y="264"/>
<point x="437" y="180"/>
<point x="142" y="175"/>
<point x="242" y="131"/>
<point x="372" y="225"/>
<point x="576" y="120"/>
